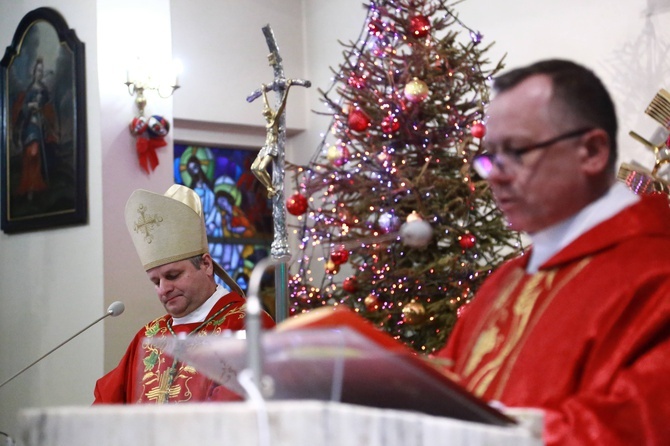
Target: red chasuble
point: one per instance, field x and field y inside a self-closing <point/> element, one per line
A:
<point x="586" y="338"/>
<point x="147" y="375"/>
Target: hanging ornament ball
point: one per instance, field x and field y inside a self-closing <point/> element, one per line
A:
<point x="390" y="124"/>
<point x="338" y="155"/>
<point x="344" y="157"/>
<point x="414" y="216"/>
<point x="371" y="302"/>
<point x="414" y="313"/>
<point x="296" y="204"/>
<point x="339" y="256"/>
<point x="331" y="267"/>
<point x="138" y="125"/>
<point x="350" y="284"/>
<point x="375" y="27"/>
<point x="416" y="233"/>
<point x="333" y="153"/>
<point x="358" y="121"/>
<point x="158" y="126"/>
<point x="356" y="81"/>
<point x="388" y="222"/>
<point x="467" y="241"/>
<point x="416" y="90"/>
<point x="419" y="26"/>
<point x="478" y="130"/>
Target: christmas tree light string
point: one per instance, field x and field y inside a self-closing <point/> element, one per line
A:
<point x="399" y="147"/>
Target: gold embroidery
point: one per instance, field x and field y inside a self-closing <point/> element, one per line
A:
<point x="146" y="224"/>
<point x="165" y="389"/>
<point x="567" y="277"/>
<point x="485" y="344"/>
<point x="481" y="348"/>
<point x="167" y="385"/>
<point x="527" y="306"/>
<point x="521" y="312"/>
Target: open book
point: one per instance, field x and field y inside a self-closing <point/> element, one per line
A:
<point x="332" y="353"/>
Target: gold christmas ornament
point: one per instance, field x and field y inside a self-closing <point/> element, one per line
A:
<point x="416" y="90"/>
<point x="331" y="267"/>
<point x="371" y="302"/>
<point x="414" y="313"/>
<point x="414" y="216"/>
<point x="334" y="153"/>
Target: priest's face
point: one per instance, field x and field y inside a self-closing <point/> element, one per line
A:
<point x="536" y="178"/>
<point x="181" y="286"/>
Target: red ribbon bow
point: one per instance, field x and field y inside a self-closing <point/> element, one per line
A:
<point x="146" y="152"/>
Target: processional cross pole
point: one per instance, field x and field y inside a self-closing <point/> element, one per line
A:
<point x="273" y="152"/>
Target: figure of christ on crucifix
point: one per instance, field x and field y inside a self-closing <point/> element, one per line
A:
<point x="270" y="150"/>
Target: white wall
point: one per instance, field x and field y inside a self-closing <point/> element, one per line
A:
<point x="128" y="30"/>
<point x="53" y="283"/>
<point x="625" y="42"/>
<point x="224" y="53"/>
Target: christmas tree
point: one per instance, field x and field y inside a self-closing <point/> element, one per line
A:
<point x="392" y="220"/>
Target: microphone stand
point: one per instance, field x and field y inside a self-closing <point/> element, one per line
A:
<point x="253" y="322"/>
<point x="110" y="312"/>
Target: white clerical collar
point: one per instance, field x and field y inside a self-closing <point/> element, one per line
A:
<point x="200" y="313"/>
<point x="549" y="241"/>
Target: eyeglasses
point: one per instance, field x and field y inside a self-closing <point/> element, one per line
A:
<point x="510" y="158"/>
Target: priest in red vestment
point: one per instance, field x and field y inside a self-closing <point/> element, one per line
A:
<point x="579" y="325"/>
<point x="169" y="235"/>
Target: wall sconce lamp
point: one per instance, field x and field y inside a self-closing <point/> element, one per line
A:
<point x="150" y="132"/>
<point x="139" y="80"/>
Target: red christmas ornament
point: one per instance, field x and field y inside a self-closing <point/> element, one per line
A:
<point x="358" y="121"/>
<point x="467" y="241"/>
<point x="138" y="125"/>
<point x="390" y="124"/>
<point x="296" y="204"/>
<point x="356" y="81"/>
<point x="350" y="284"/>
<point x="339" y="256"/>
<point x="478" y="130"/>
<point x="375" y="27"/>
<point x="419" y="26"/>
<point x="342" y="160"/>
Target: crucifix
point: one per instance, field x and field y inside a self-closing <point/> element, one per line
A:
<point x="273" y="153"/>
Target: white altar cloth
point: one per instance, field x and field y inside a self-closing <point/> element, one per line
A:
<point x="288" y="423"/>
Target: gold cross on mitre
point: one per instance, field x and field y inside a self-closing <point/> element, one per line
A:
<point x="639" y="179"/>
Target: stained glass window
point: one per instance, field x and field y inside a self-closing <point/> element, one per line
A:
<point x="238" y="215"/>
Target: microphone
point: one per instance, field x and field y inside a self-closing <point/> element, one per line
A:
<point x="115" y="309"/>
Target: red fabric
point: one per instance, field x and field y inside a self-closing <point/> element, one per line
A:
<point x="146" y="152"/>
<point x="143" y="371"/>
<point x="586" y="338"/>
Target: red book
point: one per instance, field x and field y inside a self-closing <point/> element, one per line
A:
<point x="375" y="369"/>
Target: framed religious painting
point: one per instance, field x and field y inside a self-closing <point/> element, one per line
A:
<point x="43" y="103"/>
<point x="238" y="214"/>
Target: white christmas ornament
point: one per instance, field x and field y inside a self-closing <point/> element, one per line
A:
<point x="416" y="233"/>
